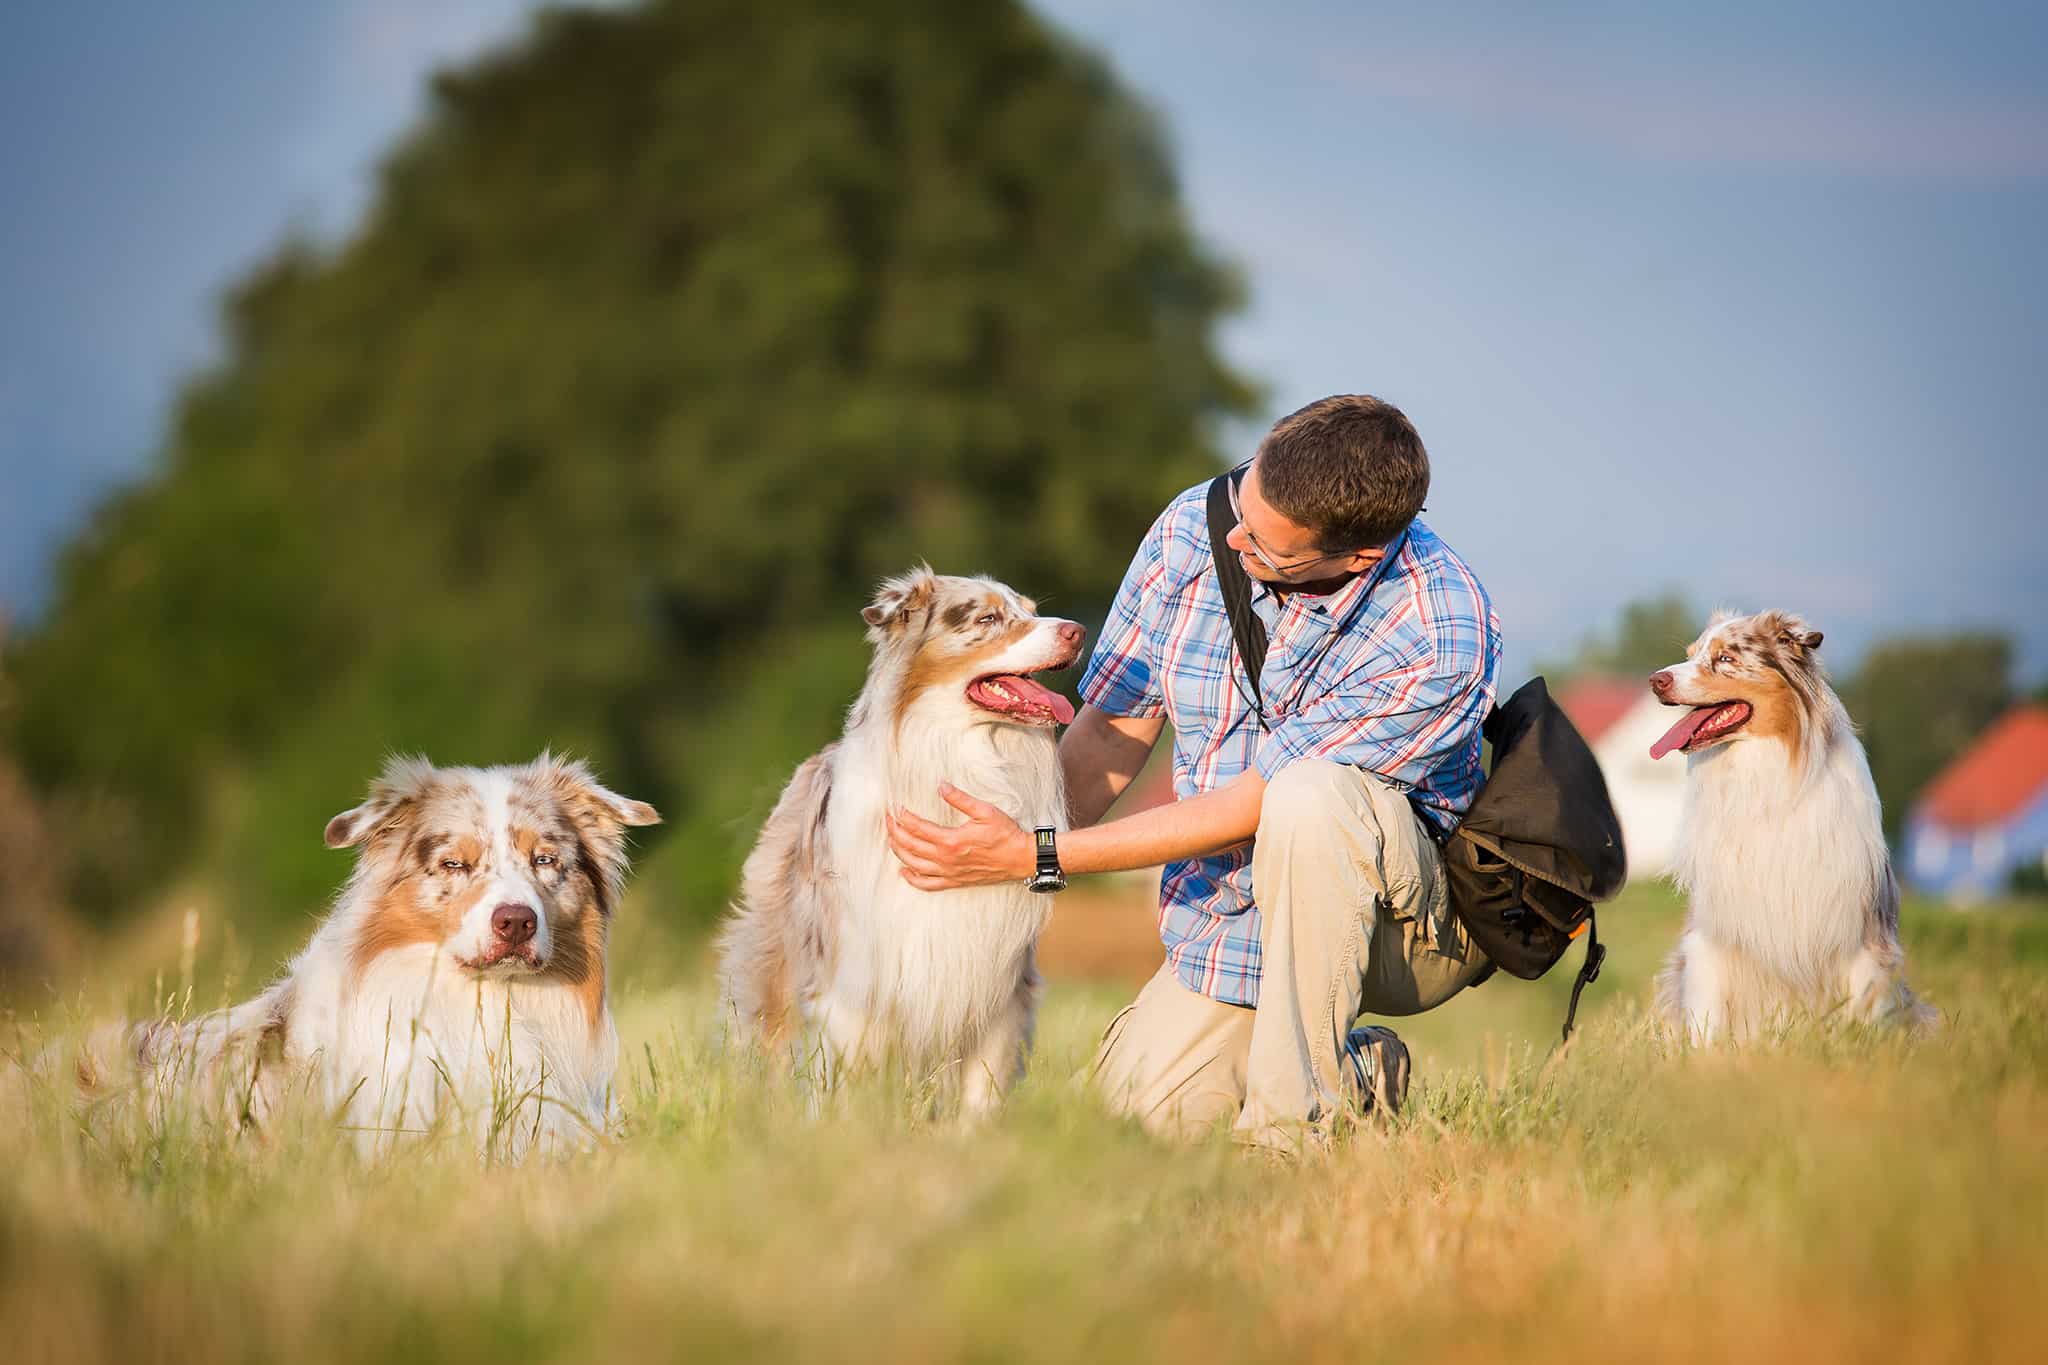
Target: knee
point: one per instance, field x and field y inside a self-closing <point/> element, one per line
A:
<point x="1302" y="794"/>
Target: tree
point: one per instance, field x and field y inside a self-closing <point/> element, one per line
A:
<point x="1648" y="634"/>
<point x="1920" y="701"/>
<point x="670" y="332"/>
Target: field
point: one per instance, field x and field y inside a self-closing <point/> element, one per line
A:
<point x="1825" y="1196"/>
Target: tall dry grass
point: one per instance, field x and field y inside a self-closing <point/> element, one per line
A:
<point x="1827" y="1195"/>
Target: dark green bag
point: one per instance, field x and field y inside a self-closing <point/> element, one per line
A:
<point x="1540" y="845"/>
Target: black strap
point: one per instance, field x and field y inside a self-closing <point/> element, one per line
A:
<point x="1245" y="625"/>
<point x="1589" y="971"/>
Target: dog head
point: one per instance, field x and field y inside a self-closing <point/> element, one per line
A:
<point x="970" y="643"/>
<point x="1749" y="677"/>
<point x="506" y="871"/>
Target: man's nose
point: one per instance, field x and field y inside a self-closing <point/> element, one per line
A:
<point x="1660" y="682"/>
<point x="513" y="924"/>
<point x="1070" y="634"/>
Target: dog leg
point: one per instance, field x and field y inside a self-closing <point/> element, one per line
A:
<point x="1703" y="989"/>
<point x="1878" y="993"/>
<point x="995" y="1063"/>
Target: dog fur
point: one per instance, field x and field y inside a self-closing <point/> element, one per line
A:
<point x="417" y="1003"/>
<point x="1792" y="905"/>
<point x="827" y="931"/>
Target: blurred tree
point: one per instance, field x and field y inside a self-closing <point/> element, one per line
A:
<point x="1649" y="633"/>
<point x="670" y="331"/>
<point x="1920" y="701"/>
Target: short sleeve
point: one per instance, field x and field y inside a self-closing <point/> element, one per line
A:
<point x="1121" y="678"/>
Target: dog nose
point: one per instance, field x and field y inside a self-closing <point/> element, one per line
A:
<point x="514" y="924"/>
<point x="1070" y="634"/>
<point x="1660" y="681"/>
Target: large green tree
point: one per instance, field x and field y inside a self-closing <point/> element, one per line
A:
<point x="670" y="330"/>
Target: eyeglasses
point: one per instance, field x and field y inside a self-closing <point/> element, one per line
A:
<point x="1237" y="510"/>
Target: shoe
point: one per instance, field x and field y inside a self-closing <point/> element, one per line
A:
<point x="1379" y="1068"/>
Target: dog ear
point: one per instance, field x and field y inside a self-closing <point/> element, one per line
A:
<point x="404" y="780"/>
<point x="898" y="598"/>
<point x="1795" y="636"/>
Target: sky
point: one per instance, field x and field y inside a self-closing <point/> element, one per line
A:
<point x="1742" y="300"/>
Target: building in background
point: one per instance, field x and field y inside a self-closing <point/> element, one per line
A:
<point x="1621" y="720"/>
<point x="1982" y="823"/>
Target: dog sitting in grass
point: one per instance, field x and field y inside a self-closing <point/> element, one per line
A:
<point x="827" y="930"/>
<point x="460" y="977"/>
<point x="1792" y="905"/>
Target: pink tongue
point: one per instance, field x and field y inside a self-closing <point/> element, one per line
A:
<point x="1677" y="735"/>
<point x="1029" y="691"/>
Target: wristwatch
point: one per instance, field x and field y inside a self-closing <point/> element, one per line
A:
<point x="1049" y="876"/>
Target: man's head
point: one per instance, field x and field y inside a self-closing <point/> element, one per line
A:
<point x="1331" y="485"/>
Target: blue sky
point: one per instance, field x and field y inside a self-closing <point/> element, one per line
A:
<point x="1743" y="299"/>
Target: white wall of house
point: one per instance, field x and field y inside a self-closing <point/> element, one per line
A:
<point x="1647" y="792"/>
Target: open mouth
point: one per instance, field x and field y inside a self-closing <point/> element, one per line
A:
<point x="1701" y="726"/>
<point x="1015" y="697"/>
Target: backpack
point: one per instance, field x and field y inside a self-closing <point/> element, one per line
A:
<point x="1540" y="845"/>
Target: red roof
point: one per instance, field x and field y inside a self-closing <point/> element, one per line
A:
<point x="1596" y="703"/>
<point x="1996" y="777"/>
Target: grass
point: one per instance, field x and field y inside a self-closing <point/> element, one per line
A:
<point x="1828" y="1195"/>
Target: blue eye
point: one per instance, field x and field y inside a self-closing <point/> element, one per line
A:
<point x="543" y="860"/>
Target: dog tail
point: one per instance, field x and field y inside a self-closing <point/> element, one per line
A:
<point x="783" y="926"/>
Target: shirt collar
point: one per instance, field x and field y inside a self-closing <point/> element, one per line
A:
<point x="1338" y="605"/>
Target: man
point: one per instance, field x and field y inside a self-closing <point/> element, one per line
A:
<point x="1302" y="881"/>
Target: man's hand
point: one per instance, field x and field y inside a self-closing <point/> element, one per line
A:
<point x="989" y="848"/>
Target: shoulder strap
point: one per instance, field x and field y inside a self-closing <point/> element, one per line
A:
<point x="1589" y="971"/>
<point x="1245" y="626"/>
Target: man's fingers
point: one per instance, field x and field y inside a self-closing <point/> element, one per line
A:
<point x="964" y="803"/>
<point x="902" y="838"/>
<point x="917" y="824"/>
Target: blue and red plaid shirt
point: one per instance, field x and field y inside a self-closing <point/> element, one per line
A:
<point x="1392" y="673"/>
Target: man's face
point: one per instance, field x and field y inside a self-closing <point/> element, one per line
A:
<point x="1276" y="550"/>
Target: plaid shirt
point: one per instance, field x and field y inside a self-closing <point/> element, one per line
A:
<point x="1392" y="673"/>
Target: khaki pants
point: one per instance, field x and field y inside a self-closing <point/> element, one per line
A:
<point x="1351" y="893"/>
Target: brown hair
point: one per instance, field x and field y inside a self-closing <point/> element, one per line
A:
<point x="1348" y="468"/>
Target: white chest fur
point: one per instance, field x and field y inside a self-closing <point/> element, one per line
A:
<point x="929" y="969"/>
<point x="1782" y="870"/>
<point x="415" y="1044"/>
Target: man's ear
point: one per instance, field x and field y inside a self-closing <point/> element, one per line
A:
<point x="899" y="599"/>
<point x="404" y="780"/>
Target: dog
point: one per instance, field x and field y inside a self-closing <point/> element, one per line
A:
<point x="827" y="931"/>
<point x="460" y="976"/>
<point x="1792" y="904"/>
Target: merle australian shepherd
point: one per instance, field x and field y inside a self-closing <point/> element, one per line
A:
<point x="459" y="980"/>
<point x="828" y="932"/>
<point x="1792" y="905"/>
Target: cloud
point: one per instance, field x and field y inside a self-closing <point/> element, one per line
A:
<point x="1695" y="116"/>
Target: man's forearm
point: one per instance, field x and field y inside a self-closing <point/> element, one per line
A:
<point x="1191" y="828"/>
<point x="1099" y="756"/>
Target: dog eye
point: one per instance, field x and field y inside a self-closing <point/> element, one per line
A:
<point x="987" y="620"/>
<point x="543" y="860"/>
<point x="454" y="865"/>
<point x="1720" y="659"/>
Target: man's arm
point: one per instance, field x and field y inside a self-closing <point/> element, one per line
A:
<point x="1100" y="755"/>
<point x="991" y="847"/>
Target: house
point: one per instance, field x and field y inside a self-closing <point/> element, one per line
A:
<point x="1620" y="721"/>
<point x="1984" y="818"/>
